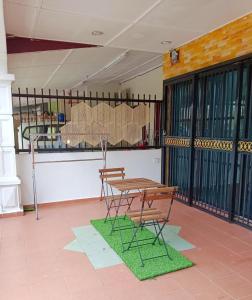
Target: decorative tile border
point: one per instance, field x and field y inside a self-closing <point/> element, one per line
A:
<point x="223" y="145"/>
<point x="177" y="142"/>
<point x="245" y="146"/>
<point x="213" y="144"/>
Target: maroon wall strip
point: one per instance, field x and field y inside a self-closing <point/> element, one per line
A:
<point x="22" y="44"/>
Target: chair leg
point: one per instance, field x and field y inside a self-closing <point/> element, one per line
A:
<point x="136" y="240"/>
<point x="155" y="226"/>
<point x="133" y="235"/>
<point x="142" y="227"/>
<point x="102" y="191"/>
<point x="109" y="205"/>
<point x="149" y="203"/>
<point x="116" y="214"/>
<point x="159" y="231"/>
<point x="120" y="233"/>
<point x="161" y="234"/>
<point x="129" y="202"/>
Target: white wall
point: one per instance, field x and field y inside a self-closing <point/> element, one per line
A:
<point x="99" y="88"/>
<point x="149" y="83"/>
<point x="78" y="180"/>
<point x="103" y="88"/>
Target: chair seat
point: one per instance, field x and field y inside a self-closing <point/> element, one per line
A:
<point x="137" y="213"/>
<point x="155" y="216"/>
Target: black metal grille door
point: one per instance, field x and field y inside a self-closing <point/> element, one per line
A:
<point x="243" y="192"/>
<point x="179" y="132"/>
<point x="208" y="142"/>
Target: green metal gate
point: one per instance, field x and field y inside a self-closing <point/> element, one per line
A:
<point x="207" y="150"/>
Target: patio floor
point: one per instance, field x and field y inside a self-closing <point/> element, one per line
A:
<point x="34" y="265"/>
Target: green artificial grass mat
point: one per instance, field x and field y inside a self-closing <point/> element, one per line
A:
<point x="152" y="267"/>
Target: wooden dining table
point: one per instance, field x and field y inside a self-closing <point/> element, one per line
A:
<point x="124" y="186"/>
<point x="133" y="184"/>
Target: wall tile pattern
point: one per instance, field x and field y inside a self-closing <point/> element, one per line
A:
<point x="228" y="42"/>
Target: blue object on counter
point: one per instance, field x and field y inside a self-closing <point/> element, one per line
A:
<point x="61" y="117"/>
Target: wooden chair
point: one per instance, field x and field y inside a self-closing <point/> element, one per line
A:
<point x="114" y="201"/>
<point x="105" y="174"/>
<point x="151" y="216"/>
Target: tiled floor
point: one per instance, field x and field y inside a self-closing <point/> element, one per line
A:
<point x="33" y="264"/>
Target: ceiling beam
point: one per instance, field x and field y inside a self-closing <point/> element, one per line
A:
<point x="17" y="44"/>
<point x="57" y="68"/>
<point x="142" y="73"/>
<point x="135" y="68"/>
<point x="137" y="20"/>
<point x="104" y="68"/>
<point x="36" y="17"/>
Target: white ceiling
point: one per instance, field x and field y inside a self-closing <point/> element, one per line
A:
<point x="135" y="25"/>
<point x="65" y="68"/>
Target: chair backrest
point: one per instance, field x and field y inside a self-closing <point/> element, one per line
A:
<point x="112" y="173"/>
<point x="165" y="193"/>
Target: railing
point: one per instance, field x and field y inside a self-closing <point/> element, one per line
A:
<point x="130" y="122"/>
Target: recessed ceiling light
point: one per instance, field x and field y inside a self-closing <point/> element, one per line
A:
<point x="165" y="42"/>
<point x="97" y="32"/>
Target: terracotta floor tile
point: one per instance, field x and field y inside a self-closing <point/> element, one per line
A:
<point x="247" y="297"/>
<point x="198" y="285"/>
<point x="119" y="274"/>
<point x="245" y="262"/>
<point x="208" y="295"/>
<point x="179" y="294"/>
<point x="214" y="269"/>
<point x="34" y="264"/>
<point x="14" y="292"/>
<point x="51" y="288"/>
<point x="247" y="273"/>
<point x="235" y="285"/>
<point x="82" y="283"/>
<point x="12" y="263"/>
<point x="166" y="283"/>
<point x="91" y="294"/>
<point x="236" y="244"/>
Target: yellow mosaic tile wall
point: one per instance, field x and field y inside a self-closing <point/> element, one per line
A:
<point x="228" y="42"/>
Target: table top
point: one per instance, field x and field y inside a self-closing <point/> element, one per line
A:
<point x="133" y="184"/>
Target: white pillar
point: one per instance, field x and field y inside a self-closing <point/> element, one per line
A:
<point x="9" y="182"/>
<point x="3" y="50"/>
